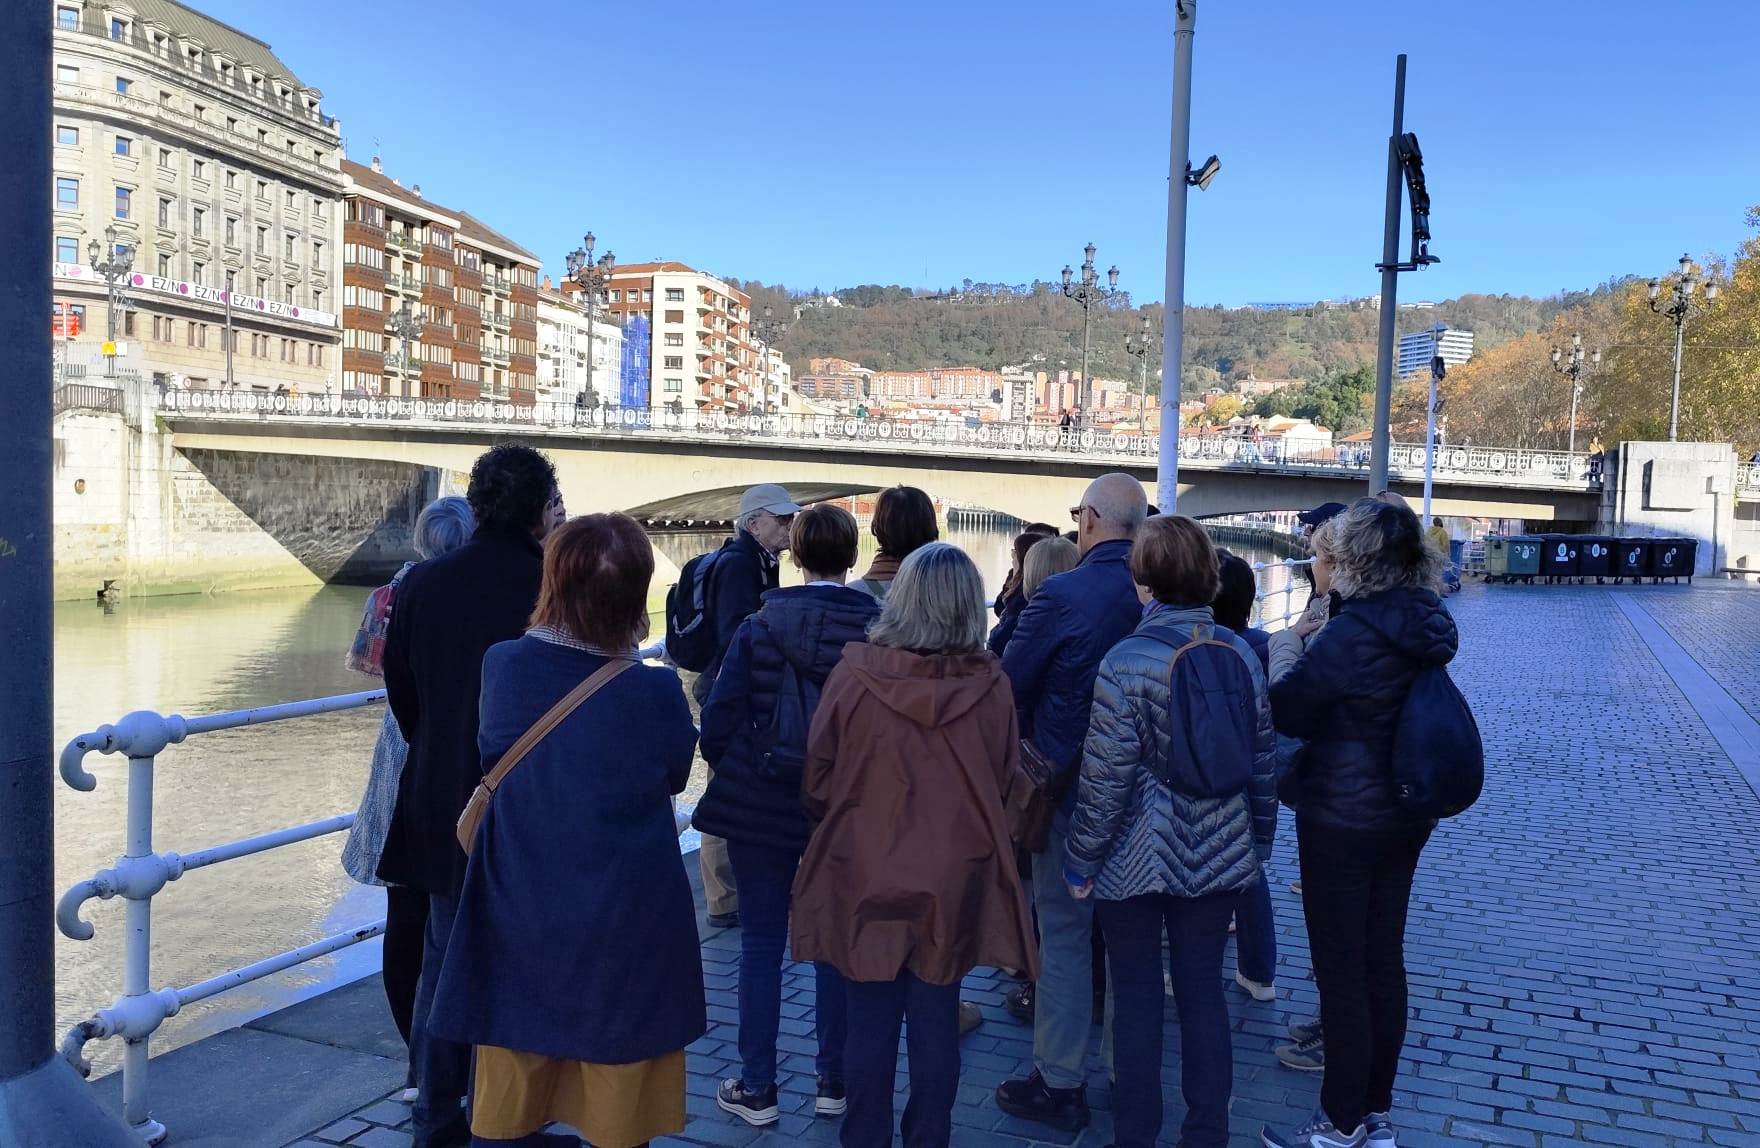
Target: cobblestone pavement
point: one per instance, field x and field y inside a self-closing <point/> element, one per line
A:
<point x="1584" y="944"/>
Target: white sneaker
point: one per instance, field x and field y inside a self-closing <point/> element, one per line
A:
<point x="1380" y="1129"/>
<point x="408" y="1095"/>
<point x="1259" y="992"/>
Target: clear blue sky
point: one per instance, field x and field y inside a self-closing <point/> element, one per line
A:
<point x="829" y="143"/>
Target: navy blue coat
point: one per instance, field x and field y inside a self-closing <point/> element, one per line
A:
<point x="1054" y="655"/>
<point x="576" y="936"/>
<point x="1343" y="696"/>
<point x="757" y="748"/>
<point x="1008" y="611"/>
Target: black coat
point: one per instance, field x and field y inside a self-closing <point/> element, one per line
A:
<point x="1343" y="696"/>
<point x="742" y="573"/>
<point x="756" y="747"/>
<point x="449" y="611"/>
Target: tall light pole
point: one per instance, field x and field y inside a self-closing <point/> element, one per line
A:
<point x="405" y="326"/>
<point x="769" y="329"/>
<point x="1139" y="347"/>
<point x="1571" y="367"/>
<point x="1678" y="309"/>
<point x="1438" y="369"/>
<point x="112" y="260"/>
<point x="1088" y="292"/>
<point x="590" y="275"/>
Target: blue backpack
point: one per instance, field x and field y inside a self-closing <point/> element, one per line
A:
<point x="1438" y="755"/>
<point x="1213" y="709"/>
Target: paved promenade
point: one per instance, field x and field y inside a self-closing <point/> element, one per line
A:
<point x="1584" y="944"/>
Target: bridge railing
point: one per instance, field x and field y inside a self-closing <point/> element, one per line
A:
<point x="1748" y="479"/>
<point x="895" y="432"/>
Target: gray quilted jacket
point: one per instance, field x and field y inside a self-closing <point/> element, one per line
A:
<point x="1131" y="833"/>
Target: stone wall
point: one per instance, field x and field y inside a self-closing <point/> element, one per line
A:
<point x="1676" y="490"/>
<point x="136" y="514"/>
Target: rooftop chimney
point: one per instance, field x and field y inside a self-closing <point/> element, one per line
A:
<point x="415" y="189"/>
<point x="378" y="168"/>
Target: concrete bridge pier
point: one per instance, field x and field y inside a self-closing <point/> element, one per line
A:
<point x="1681" y="490"/>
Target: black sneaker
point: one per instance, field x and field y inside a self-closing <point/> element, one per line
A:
<point x="832" y="1100"/>
<point x="1304" y="1056"/>
<point x="1030" y="1099"/>
<point x="755" y="1107"/>
<point x="1019" y="1002"/>
<point x="724" y="920"/>
<point x="1303" y="1031"/>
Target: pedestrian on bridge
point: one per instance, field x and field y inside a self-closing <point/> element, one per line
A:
<point x="449" y="611"/>
<point x="755" y="739"/>
<point x="574" y="966"/>
<point x="909" y="880"/>
<point x="442" y="527"/>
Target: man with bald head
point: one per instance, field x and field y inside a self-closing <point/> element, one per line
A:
<point x="1052" y="660"/>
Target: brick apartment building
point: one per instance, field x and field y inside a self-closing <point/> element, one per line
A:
<point x="472" y="292"/>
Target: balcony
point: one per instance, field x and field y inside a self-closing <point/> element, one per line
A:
<point x="494" y="285"/>
<point x="406" y="245"/>
<point x="494" y="357"/>
<point x="397" y="284"/>
<point x="497" y="321"/>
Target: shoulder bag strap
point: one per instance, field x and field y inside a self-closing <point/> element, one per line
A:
<point x="553" y="718"/>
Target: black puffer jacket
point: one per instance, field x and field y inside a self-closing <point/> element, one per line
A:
<point x="1343" y="696"/>
<point x="757" y="747"/>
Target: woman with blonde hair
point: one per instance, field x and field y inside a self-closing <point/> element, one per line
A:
<point x="1047" y="557"/>
<point x="909" y="881"/>
<point x="1340" y="685"/>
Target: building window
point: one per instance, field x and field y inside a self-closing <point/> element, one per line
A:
<point x="674" y="362"/>
<point x="262" y="287"/>
<point x="195" y="272"/>
<point x="123" y="84"/>
<point x="675" y="316"/>
<point x="165" y="159"/>
<point x="262" y="241"/>
<point x="231" y="180"/>
<point x="317" y="253"/>
<point x="66" y="249"/>
<point x="124" y="145"/>
<point x="201" y="111"/>
<point x="66" y="136"/>
<point x="66" y="74"/>
<point x="232" y="285"/>
<point x="647" y="295"/>
<point x="675" y="294"/>
<point x="165" y="98"/>
<point x="674" y="386"/>
<point x="292" y="200"/>
<point x="674" y="339"/>
<point x="231" y="231"/>
<point x="196" y="217"/>
<point x="262" y="189"/>
<point x="67" y="18"/>
<point x="128" y="323"/>
<point x="198" y="169"/>
<point x="164" y="212"/>
<point x="118" y="29"/>
<point x="318" y="301"/>
<point x="287" y="248"/>
<point x="123" y="198"/>
<point x="231" y="123"/>
<point x="263" y="136"/>
<point x="164" y="266"/>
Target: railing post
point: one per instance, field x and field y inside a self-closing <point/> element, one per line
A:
<point x="137" y="953"/>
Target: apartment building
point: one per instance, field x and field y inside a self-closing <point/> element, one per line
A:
<point x="215" y="168"/>
<point x="435" y="303"/>
<point x="701" y="342"/>
<point x="564" y="348"/>
<point x="1419" y="347"/>
<point x="773" y="376"/>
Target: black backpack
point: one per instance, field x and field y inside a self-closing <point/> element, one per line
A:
<point x="690" y="631"/>
<point x="1215" y="718"/>
<point x="1438" y="756"/>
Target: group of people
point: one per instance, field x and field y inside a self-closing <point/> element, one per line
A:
<point x="870" y="742"/>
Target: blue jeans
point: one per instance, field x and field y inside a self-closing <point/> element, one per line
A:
<point x="1197" y="929"/>
<point x="931" y="1031"/>
<point x="442" y="1067"/>
<point x="764" y="877"/>
<point x="1063" y="1005"/>
<point x="1255" y="932"/>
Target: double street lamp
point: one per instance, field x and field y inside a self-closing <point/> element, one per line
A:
<point x="405" y="326"/>
<point x="112" y="261"/>
<point x="1678" y="308"/>
<point x="768" y="329"/>
<point x="1570" y="364"/>
<point x="1139" y="346"/>
<point x="1087" y="291"/>
<point x="590" y="275"/>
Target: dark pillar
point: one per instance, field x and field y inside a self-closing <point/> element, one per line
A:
<point x="42" y="1100"/>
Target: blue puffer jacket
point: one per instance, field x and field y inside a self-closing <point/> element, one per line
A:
<point x="1343" y="696"/>
<point x="756" y="747"/>
<point x="1133" y="834"/>
<point x="1057" y="645"/>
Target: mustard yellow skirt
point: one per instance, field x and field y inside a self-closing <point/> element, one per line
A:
<point x="612" y="1105"/>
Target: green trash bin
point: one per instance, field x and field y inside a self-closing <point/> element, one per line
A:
<point x="1524" y="557"/>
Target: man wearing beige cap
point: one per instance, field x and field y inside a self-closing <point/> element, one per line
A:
<point x="745" y="567"/>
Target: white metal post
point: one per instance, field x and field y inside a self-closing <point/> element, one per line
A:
<point x="1174" y="294"/>
<point x="137" y="953"/>
<point x="1430" y="436"/>
<point x="1674" y="402"/>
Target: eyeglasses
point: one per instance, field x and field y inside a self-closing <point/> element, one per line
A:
<point x="785" y="519"/>
<point x="1075" y="513"/>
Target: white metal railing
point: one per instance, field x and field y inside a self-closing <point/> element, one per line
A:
<point x="1748" y="479"/>
<point x="1491" y="466"/>
<point x="141" y="873"/>
<point x="1292" y="596"/>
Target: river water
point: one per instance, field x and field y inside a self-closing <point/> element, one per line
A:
<point x="198" y="655"/>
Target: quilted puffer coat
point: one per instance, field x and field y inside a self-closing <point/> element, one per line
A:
<point x="1343" y="696"/>
<point x="1131" y="833"/>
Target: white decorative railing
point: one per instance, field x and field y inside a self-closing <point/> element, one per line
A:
<point x="1475" y="464"/>
<point x="1748" y="479"/>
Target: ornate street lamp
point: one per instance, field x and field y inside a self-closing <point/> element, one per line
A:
<point x="405" y="326"/>
<point x="590" y="275"/>
<point x="1570" y="364"/>
<point x="1087" y="291"/>
<point x="769" y="329"/>
<point x="1140" y="347"/>
<point x="112" y="261"/>
<point x="1678" y="308"/>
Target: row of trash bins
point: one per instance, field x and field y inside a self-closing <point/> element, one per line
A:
<point x="1568" y="557"/>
